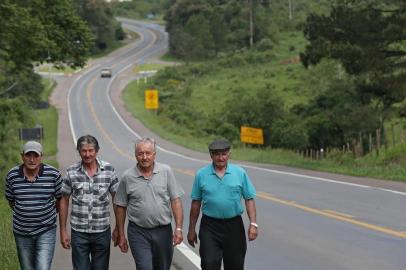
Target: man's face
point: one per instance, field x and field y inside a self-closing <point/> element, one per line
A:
<point x="145" y="155"/>
<point x="31" y="160"/>
<point x="88" y="154"/>
<point x="220" y="158"/>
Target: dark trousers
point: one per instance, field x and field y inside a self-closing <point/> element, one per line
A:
<point x="152" y="249"/>
<point x="222" y="239"/>
<point x="90" y="251"/>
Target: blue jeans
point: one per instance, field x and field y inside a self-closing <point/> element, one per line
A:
<point x="152" y="249"/>
<point x="36" y="252"/>
<point x="90" y="251"/>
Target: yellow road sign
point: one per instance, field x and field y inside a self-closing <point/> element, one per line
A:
<point x="151" y="99"/>
<point x="252" y="135"/>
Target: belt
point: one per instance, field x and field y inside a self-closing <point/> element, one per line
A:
<point x="222" y="219"/>
<point x="150" y="228"/>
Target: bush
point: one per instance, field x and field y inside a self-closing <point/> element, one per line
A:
<point x="265" y="45"/>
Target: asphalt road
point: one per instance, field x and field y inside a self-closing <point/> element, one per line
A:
<point x="308" y="220"/>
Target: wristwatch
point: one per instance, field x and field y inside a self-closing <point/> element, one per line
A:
<point x="254" y="224"/>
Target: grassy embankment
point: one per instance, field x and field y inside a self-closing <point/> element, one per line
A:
<point x="289" y="81"/>
<point x="48" y="119"/>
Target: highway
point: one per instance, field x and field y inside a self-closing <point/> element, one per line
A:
<point x="306" y="222"/>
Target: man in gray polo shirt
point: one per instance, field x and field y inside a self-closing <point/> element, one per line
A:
<point x="150" y="194"/>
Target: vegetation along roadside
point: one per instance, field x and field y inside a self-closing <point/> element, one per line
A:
<point x="324" y="101"/>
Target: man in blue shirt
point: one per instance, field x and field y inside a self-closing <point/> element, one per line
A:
<point x="218" y="189"/>
<point x="33" y="190"/>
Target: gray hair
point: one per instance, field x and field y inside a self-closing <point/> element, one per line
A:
<point x="87" y="139"/>
<point x="145" y="140"/>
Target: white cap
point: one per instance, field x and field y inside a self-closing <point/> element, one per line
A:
<point x="32" y="146"/>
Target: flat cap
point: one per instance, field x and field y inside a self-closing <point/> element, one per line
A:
<point x="219" y="144"/>
<point x="32" y="146"/>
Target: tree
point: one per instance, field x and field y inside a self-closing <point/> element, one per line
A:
<point x="99" y="16"/>
<point x="368" y="39"/>
<point x="42" y="30"/>
<point x="259" y="111"/>
<point x="217" y="25"/>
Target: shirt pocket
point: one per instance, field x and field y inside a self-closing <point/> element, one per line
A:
<point x="235" y="192"/>
<point x="79" y="193"/>
<point x="102" y="192"/>
<point x="78" y="190"/>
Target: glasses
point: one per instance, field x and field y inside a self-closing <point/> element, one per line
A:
<point x="147" y="154"/>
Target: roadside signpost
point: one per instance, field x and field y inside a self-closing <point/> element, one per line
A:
<point x="151" y="99"/>
<point x="252" y="135"/>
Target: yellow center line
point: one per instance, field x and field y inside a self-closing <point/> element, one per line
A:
<point x="184" y="171"/>
<point x="93" y="112"/>
<point x="98" y="123"/>
<point x="334" y="215"/>
<point x="338" y="213"/>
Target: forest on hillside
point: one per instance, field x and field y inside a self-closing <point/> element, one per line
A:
<point x="347" y="65"/>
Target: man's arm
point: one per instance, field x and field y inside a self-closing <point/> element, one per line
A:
<point x="11" y="204"/>
<point x="63" y="216"/>
<point x="177" y="210"/>
<point x="252" y="215"/>
<point x="114" y="235"/>
<point x="120" y="212"/>
<point x="194" y="215"/>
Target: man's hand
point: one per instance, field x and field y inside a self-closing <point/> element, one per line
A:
<point x="177" y="237"/>
<point x="114" y="236"/>
<point x="192" y="238"/>
<point x="252" y="232"/>
<point x="65" y="239"/>
<point x="122" y="243"/>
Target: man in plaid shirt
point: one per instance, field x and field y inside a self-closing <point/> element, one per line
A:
<point x="89" y="183"/>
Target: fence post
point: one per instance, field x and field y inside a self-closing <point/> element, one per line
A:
<point x="378" y="140"/>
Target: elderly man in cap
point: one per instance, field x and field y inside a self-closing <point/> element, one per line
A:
<point x="218" y="189"/>
<point x="33" y="190"/>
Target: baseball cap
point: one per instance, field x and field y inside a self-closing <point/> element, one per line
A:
<point x="32" y="146"/>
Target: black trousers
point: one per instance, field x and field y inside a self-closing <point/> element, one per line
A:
<point x="152" y="249"/>
<point x="222" y="239"/>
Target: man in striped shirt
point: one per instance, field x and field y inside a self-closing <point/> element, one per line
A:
<point x="89" y="183"/>
<point x="33" y="190"/>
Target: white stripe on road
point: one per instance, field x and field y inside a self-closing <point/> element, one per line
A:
<point x="188" y="253"/>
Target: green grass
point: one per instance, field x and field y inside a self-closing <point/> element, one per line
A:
<point x="371" y="165"/>
<point x="290" y="81"/>
<point x="134" y="101"/>
<point x="8" y="252"/>
<point x="48" y="118"/>
<point x="51" y="68"/>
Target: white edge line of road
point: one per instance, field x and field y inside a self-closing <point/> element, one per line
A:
<point x="185" y="250"/>
<point x="68" y="101"/>
<point x="246" y="166"/>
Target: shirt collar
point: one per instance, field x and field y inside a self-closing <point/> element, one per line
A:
<point x="155" y="170"/>
<point x="40" y="172"/>
<point x="100" y="165"/>
<point x="213" y="171"/>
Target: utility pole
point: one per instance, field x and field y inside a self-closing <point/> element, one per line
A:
<point x="251" y="23"/>
<point x="290" y="9"/>
<point x="49" y="67"/>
